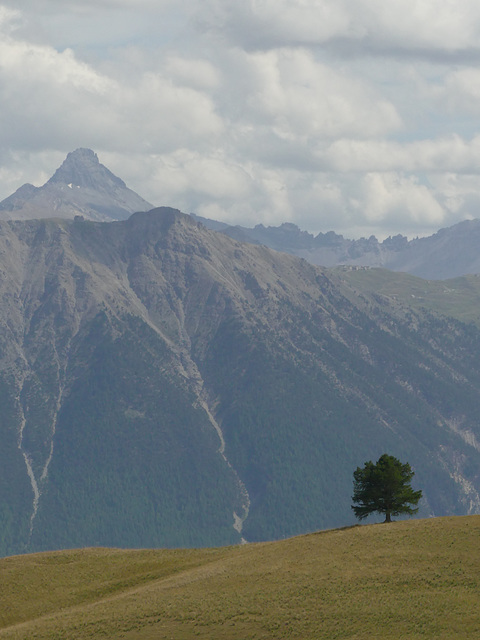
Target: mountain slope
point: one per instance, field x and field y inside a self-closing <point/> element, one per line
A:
<point x="165" y="385"/>
<point x="81" y="186"/>
<point x="458" y="298"/>
<point x="416" y="579"/>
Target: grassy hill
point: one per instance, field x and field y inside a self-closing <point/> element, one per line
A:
<point x="411" y="579"/>
<point x="458" y="298"/>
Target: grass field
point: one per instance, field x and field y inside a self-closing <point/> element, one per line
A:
<point x="410" y="579"/>
<point x="458" y="298"/>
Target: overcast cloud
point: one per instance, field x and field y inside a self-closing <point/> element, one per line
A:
<point x="361" y="117"/>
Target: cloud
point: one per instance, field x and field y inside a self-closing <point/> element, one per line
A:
<point x="52" y="99"/>
<point x="40" y="7"/>
<point x="421" y="28"/>
<point x="96" y="28"/>
<point x="390" y="195"/>
<point x="460" y="92"/>
<point x="8" y="18"/>
<point x="445" y="154"/>
<point x="334" y="115"/>
<point x="299" y="97"/>
<point x="270" y="24"/>
<point x="196" y="73"/>
<point x="43" y="93"/>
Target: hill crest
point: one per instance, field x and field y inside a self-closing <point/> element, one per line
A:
<point x="407" y="579"/>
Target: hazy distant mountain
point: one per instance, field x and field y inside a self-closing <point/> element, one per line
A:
<point x="449" y="253"/>
<point x="81" y="186"/>
<point x="165" y="385"/>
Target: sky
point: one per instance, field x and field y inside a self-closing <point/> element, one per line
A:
<point x="358" y="116"/>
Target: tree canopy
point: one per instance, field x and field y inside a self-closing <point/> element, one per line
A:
<point x="384" y="487"/>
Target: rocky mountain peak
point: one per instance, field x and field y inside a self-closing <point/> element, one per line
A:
<point x="82" y="168"/>
<point x="80" y="186"/>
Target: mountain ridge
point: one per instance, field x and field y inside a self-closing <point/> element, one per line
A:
<point x="449" y="253"/>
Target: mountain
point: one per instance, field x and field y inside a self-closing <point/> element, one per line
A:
<point x="360" y="582"/>
<point x="449" y="253"/>
<point x="81" y="186"/>
<point x="165" y="385"/>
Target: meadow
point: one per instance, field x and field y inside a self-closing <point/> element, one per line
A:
<point x="409" y="579"/>
<point x="457" y="298"/>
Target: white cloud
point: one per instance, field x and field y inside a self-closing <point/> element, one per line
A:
<point x="8" y="18"/>
<point x="399" y="25"/>
<point x="459" y="194"/>
<point x="43" y="94"/>
<point x="269" y="23"/>
<point x="196" y="73"/>
<point x="334" y="115"/>
<point x="460" y="92"/>
<point x="390" y="195"/>
<point x="302" y="98"/>
<point x="409" y="24"/>
<point x="40" y="7"/>
<point x="447" y="154"/>
<point x="52" y="99"/>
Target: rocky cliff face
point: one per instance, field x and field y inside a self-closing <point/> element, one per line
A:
<point x="165" y="385"/>
<point x="80" y="186"/>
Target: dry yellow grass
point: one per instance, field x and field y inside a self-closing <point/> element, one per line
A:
<point x="414" y="579"/>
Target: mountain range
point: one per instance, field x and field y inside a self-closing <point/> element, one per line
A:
<point x="449" y="253"/>
<point x="83" y="186"/>
<point x="164" y="384"/>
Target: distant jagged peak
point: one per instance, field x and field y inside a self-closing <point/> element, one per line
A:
<point x="82" y="168"/>
<point x="80" y="186"/>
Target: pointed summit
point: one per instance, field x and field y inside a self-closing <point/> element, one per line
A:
<point x="80" y="186"/>
<point x="82" y="168"/>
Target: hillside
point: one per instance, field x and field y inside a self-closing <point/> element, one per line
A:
<point x="457" y="298"/>
<point x="415" y="579"/>
<point x="164" y="385"/>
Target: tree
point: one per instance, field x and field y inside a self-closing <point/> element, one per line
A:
<point x="385" y="488"/>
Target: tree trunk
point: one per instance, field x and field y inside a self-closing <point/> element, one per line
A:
<point x="387" y="517"/>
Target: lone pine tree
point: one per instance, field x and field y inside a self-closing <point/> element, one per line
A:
<point x="384" y="488"/>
